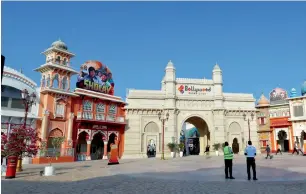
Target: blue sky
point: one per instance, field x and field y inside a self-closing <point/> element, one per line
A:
<point x="258" y="45"/>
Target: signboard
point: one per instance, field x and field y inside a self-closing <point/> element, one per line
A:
<point x="191" y="89"/>
<point x="278" y="96"/>
<point x="95" y="76"/>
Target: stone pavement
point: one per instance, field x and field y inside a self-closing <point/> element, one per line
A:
<point x="193" y="174"/>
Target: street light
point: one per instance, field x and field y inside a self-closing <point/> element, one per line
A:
<point x="28" y="101"/>
<point x="163" y="118"/>
<point x="247" y="119"/>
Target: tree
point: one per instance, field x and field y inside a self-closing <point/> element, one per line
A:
<point x="55" y="152"/>
<point x="20" y="142"/>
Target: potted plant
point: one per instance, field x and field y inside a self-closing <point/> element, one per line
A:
<point x="216" y="148"/>
<point x="53" y="154"/>
<point x="181" y="147"/>
<point x="172" y="147"/>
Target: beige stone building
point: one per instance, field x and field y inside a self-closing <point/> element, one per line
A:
<point x="218" y="116"/>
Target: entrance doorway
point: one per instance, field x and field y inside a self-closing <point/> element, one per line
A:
<point x="283" y="141"/>
<point x="97" y="147"/>
<point x="151" y="148"/>
<point x="195" y="135"/>
<point x="235" y="146"/>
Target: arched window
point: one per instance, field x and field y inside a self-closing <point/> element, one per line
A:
<point x="43" y="81"/>
<point x="48" y="81"/>
<point x="64" y="83"/>
<point x="55" y="81"/>
<point x="58" y="60"/>
<point x="65" y="61"/>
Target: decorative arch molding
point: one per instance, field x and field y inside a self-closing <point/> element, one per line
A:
<point x="99" y="131"/>
<point x="56" y="133"/>
<point x="234" y="127"/>
<point x="88" y="131"/>
<point x="151" y="127"/>
<point x="208" y="123"/>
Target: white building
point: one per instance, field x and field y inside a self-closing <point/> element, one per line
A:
<point x="298" y="116"/>
<point x="218" y="116"/>
<point x="12" y="107"/>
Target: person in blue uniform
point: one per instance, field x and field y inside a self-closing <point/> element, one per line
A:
<point x="250" y="153"/>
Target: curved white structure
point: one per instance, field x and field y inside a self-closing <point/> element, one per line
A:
<point x="12" y="109"/>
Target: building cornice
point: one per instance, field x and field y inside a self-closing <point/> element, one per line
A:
<point x="13" y="74"/>
<point x="50" y="66"/>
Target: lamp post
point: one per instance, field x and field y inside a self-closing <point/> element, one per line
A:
<point x="248" y="119"/>
<point x="163" y="118"/>
<point x="28" y="101"/>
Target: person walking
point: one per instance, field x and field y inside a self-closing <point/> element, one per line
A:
<point x="300" y="150"/>
<point x="250" y="152"/>
<point x="228" y="161"/>
<point x="268" y="150"/>
<point x="279" y="149"/>
<point x="295" y="149"/>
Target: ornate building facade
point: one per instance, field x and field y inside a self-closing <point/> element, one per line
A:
<point x="217" y="115"/>
<point x="298" y="116"/>
<point x="87" y="117"/>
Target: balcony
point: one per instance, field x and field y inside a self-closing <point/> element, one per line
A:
<point x="58" y="62"/>
<point x="100" y="117"/>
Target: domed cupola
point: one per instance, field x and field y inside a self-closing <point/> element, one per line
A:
<point x="59" y="44"/>
<point x="293" y="93"/>
<point x="263" y="101"/>
<point x="303" y="90"/>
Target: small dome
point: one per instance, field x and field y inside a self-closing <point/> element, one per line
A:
<point x="59" y="44"/>
<point x="217" y="67"/>
<point x="293" y="93"/>
<point x="303" y="90"/>
<point x="263" y="101"/>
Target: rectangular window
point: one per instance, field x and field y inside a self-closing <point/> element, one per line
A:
<point x="4" y="101"/>
<point x="112" y="112"/>
<point x="87" y="105"/>
<point x="60" y="109"/>
<point x="100" y="108"/>
<point x="17" y="103"/>
<point x="298" y="110"/>
<point x="264" y="143"/>
<point x="262" y="121"/>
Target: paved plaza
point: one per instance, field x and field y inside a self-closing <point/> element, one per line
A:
<point x="193" y="174"/>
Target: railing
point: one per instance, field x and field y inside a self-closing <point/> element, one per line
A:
<point x="51" y="152"/>
<point x="100" y="117"/>
<point x="59" y="62"/>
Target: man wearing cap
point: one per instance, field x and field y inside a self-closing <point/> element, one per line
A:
<point x="228" y="160"/>
<point x="250" y="152"/>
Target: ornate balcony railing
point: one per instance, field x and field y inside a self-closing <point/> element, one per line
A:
<point x="59" y="62"/>
<point x="100" y="117"/>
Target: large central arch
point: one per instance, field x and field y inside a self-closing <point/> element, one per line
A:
<point x="204" y="133"/>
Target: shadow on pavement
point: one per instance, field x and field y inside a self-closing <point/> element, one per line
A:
<point x="203" y="180"/>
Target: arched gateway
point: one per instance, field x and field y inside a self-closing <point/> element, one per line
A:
<point x="199" y="103"/>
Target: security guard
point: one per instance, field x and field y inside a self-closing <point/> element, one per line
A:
<point x="250" y="152"/>
<point x="228" y="160"/>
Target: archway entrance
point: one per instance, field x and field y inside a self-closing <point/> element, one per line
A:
<point x="81" y="148"/>
<point x="196" y="136"/>
<point x="235" y="146"/>
<point x="283" y="141"/>
<point x="97" y="147"/>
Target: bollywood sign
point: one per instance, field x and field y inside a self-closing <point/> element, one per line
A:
<point x="183" y="89"/>
<point x="97" y="77"/>
<point x="278" y="96"/>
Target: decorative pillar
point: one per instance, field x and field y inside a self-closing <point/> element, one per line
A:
<point x="290" y="139"/>
<point x="105" y="151"/>
<point x="88" y="150"/>
<point x="70" y="126"/>
<point x="44" y="126"/>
